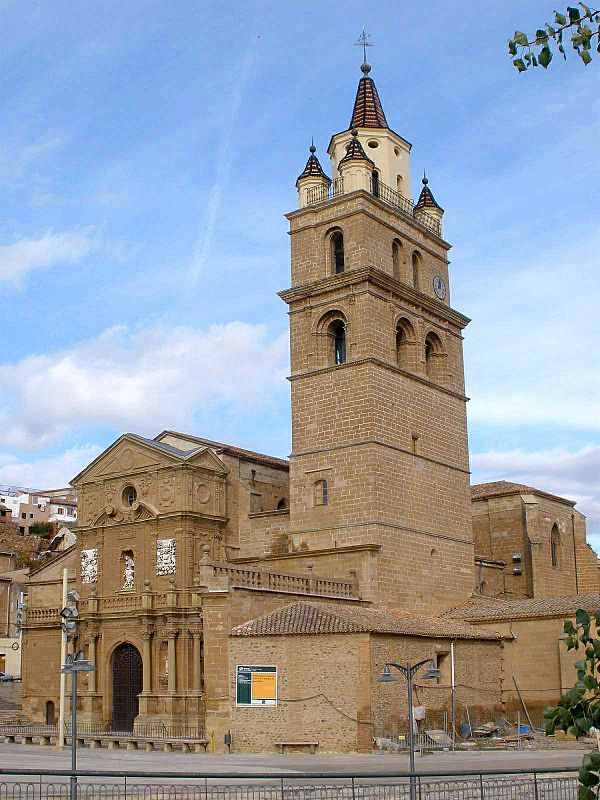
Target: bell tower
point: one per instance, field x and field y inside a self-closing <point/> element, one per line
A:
<point x="379" y="470"/>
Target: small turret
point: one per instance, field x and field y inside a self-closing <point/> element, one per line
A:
<point x="312" y="184"/>
<point x="356" y="168"/>
<point x="427" y="204"/>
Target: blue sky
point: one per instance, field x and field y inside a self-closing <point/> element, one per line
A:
<point x="148" y="153"/>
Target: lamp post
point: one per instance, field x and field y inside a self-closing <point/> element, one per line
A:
<point x="409" y="671"/>
<point x="74" y="664"/>
<point x="68" y="626"/>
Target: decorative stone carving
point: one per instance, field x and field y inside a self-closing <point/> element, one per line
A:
<point x="129" y="571"/>
<point x="166" y="563"/>
<point x="89" y="565"/>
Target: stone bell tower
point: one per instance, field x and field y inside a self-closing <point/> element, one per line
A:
<point x="379" y="470"/>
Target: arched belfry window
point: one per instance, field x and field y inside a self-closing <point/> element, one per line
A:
<point x="555" y="546"/>
<point x="405" y="344"/>
<point x="337" y="252"/>
<point x="416" y="269"/>
<point x="321" y="493"/>
<point x="397" y="257"/>
<point x="434" y="357"/>
<point x="337" y="332"/>
<point x="375" y="183"/>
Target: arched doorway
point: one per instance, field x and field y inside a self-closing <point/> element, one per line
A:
<point x="50" y="719"/>
<point x="127" y="684"/>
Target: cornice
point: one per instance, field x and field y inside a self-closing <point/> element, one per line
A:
<point x="381" y="279"/>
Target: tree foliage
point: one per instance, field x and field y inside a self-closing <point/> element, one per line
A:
<point x="578" y="710"/>
<point x="42" y="529"/>
<point x="532" y="50"/>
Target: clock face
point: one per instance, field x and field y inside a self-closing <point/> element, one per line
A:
<point x="439" y="287"/>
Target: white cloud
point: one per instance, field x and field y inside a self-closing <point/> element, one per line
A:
<point x="575" y="475"/>
<point x="47" y="472"/>
<point x="20" y="258"/>
<point x="145" y="381"/>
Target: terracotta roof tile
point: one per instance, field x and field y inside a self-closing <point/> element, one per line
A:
<point x="487" y="610"/>
<point x="228" y="449"/>
<point x="367" y="111"/>
<point x="313" y="168"/>
<point x="426" y="198"/>
<point x="481" y="491"/>
<point x="355" y="151"/>
<point x="318" y="618"/>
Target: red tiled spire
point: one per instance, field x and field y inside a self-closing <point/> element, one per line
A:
<point x="313" y="167"/>
<point x="368" y="111"/>
<point x="426" y="199"/>
<point x="355" y="151"/>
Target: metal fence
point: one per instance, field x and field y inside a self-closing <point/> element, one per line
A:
<point x="551" y="784"/>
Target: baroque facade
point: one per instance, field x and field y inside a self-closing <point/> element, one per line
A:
<point x="194" y="557"/>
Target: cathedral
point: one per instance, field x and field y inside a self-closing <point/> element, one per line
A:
<point x="259" y="599"/>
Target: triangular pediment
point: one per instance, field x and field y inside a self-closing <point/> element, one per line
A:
<point x="207" y="459"/>
<point x="129" y="454"/>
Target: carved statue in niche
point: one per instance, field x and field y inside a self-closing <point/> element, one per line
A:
<point x="165" y="557"/>
<point x="128" y="569"/>
<point x="89" y="565"/>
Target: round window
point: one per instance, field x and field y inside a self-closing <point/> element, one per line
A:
<point x="373" y="144"/>
<point x="396" y="151"/>
<point x="129" y="496"/>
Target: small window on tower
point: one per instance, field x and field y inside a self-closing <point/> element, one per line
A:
<point x="337" y="331"/>
<point x="337" y="252"/>
<point x="555" y="545"/>
<point x="375" y="183"/>
<point x="416" y="268"/>
<point x="321" y="495"/>
<point x="396" y="257"/>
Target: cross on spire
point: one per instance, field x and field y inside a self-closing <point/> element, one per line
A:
<point x="363" y="41"/>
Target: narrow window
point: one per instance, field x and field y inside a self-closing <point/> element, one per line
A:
<point x="375" y="183"/>
<point x="282" y="504"/>
<point x="399" y="184"/>
<point x="415" y="269"/>
<point x="129" y="496"/>
<point x="554" y="545"/>
<point x="396" y="251"/>
<point x="338" y="332"/>
<point x="434" y="357"/>
<point x="337" y="252"/>
<point x="405" y="344"/>
<point x="321" y="493"/>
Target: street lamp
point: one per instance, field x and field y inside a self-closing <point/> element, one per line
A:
<point x="74" y="664"/>
<point x="409" y="671"/>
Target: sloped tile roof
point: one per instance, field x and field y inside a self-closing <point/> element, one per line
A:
<point x="426" y="198"/>
<point x="313" y="168"/>
<point x="484" y="610"/>
<point x="481" y="491"/>
<point x="319" y="618"/>
<point x="355" y="151"/>
<point x="228" y="449"/>
<point x="367" y="111"/>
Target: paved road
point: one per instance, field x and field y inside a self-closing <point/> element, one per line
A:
<point x="36" y="757"/>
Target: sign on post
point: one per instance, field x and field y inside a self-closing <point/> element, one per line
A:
<point x="256" y="686"/>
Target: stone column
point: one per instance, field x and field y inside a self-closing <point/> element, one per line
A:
<point x="197" y="664"/>
<point x="172" y="678"/>
<point x="92" y="660"/>
<point x="147" y="662"/>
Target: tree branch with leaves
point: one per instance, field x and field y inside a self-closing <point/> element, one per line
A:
<point x="536" y="50"/>
<point x="578" y="710"/>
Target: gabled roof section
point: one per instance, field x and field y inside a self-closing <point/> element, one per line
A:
<point x="316" y="618"/>
<point x="481" y="491"/>
<point x="227" y="449"/>
<point x="480" y="610"/>
<point x="426" y="199"/>
<point x="355" y="151"/>
<point x="368" y="111"/>
<point x="313" y="168"/>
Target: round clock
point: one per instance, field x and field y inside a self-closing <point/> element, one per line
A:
<point x="439" y="287"/>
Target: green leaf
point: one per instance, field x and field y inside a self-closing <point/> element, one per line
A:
<point x="585" y="56"/>
<point x="560" y="19"/>
<point x="574" y="15"/>
<point x="569" y="627"/>
<point x="545" y="57"/>
<point x="587" y="10"/>
<point x="590" y="683"/>
<point x="520" y="64"/>
<point x="521" y="38"/>
<point x="586" y="793"/>
<point x="534" y="60"/>
<point x="582" y="617"/>
<point x="551" y="30"/>
<point x="512" y="47"/>
<point x="562" y="50"/>
<point x="588" y="778"/>
<point x="541" y="37"/>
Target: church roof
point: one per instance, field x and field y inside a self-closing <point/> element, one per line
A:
<point x="426" y="199"/>
<point x="313" y="167"/>
<point x="481" y="491"/>
<point x="489" y="610"/>
<point x="325" y="618"/>
<point x="368" y="111"/>
<point x="355" y="151"/>
<point x="220" y="447"/>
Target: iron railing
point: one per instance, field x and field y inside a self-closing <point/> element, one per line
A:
<point x="319" y="194"/>
<point x="85" y="729"/>
<point x="547" y="784"/>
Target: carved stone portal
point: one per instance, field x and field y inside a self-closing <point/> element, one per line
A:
<point x="166" y="563"/>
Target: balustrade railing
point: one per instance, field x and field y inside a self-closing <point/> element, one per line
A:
<point x="249" y="578"/>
